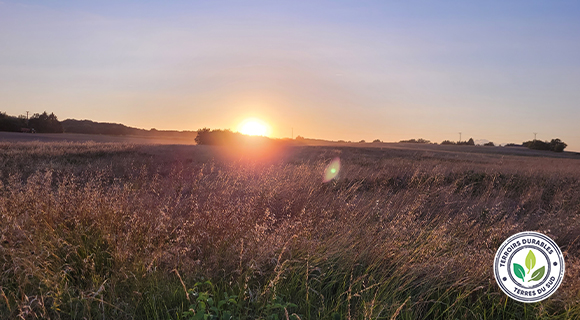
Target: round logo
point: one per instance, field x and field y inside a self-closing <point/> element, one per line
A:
<point x="529" y="267"/>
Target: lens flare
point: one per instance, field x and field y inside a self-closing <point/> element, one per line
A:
<point x="332" y="170"/>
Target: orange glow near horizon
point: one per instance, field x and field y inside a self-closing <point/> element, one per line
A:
<point x="254" y="127"/>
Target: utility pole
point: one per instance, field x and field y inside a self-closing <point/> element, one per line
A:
<point x="535" y="133"/>
<point x="26" y="115"/>
<point x="460" y="137"/>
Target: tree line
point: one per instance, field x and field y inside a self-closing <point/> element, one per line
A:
<point x="49" y="123"/>
<point x="555" y="145"/>
<point x="39" y="122"/>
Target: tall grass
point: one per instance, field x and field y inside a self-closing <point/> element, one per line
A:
<point x="113" y="231"/>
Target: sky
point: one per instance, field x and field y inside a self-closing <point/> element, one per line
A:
<point x="337" y="70"/>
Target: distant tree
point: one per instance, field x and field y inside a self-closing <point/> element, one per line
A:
<point x="447" y="142"/>
<point x="47" y="123"/>
<point x="489" y="144"/>
<point x="537" y="145"/>
<point x="234" y="140"/>
<point x="555" y="145"/>
<point x="10" y="123"/>
<point x="377" y="141"/>
<point x="513" y="145"/>
<point x="300" y="138"/>
<point x="421" y="140"/>
<point x="341" y="141"/>
<point x="362" y="141"/>
<point x="226" y="137"/>
<point x="203" y="136"/>
<point x="469" y="142"/>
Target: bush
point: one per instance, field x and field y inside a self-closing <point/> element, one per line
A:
<point x="489" y="144"/>
<point x="226" y="137"/>
<point x="420" y="140"/>
<point x="555" y="145"/>
<point x="206" y="136"/>
<point x="377" y="141"/>
<point x="447" y="142"/>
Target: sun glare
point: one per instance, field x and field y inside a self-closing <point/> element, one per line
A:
<point x="253" y="127"/>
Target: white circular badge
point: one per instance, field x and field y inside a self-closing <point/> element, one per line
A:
<point x="529" y="267"/>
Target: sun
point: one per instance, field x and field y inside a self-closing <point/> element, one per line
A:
<point x="253" y="127"/>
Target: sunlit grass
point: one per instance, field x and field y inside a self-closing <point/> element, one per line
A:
<point x="100" y="231"/>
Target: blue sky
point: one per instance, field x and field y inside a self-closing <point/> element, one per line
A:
<point x="348" y="70"/>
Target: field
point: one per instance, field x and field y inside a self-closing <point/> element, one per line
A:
<point x="129" y="231"/>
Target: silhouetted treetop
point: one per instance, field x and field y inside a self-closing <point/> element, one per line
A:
<point x="45" y="123"/>
<point x="555" y="145"/>
<point x="10" y="123"/>
<point x="421" y="140"/>
<point x="219" y="137"/>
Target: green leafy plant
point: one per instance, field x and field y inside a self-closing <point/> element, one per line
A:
<point x="278" y="306"/>
<point x="205" y="307"/>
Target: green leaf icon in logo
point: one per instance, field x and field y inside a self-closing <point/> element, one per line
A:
<point x="538" y="274"/>
<point x="530" y="261"/>
<point x="519" y="271"/>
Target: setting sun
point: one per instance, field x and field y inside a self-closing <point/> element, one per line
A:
<point x="253" y="127"/>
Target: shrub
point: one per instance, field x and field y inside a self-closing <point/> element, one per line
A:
<point x="555" y="145"/>
<point x="206" y="136"/>
<point x="420" y="140"/>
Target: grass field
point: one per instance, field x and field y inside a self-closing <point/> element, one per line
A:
<point x="120" y="231"/>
